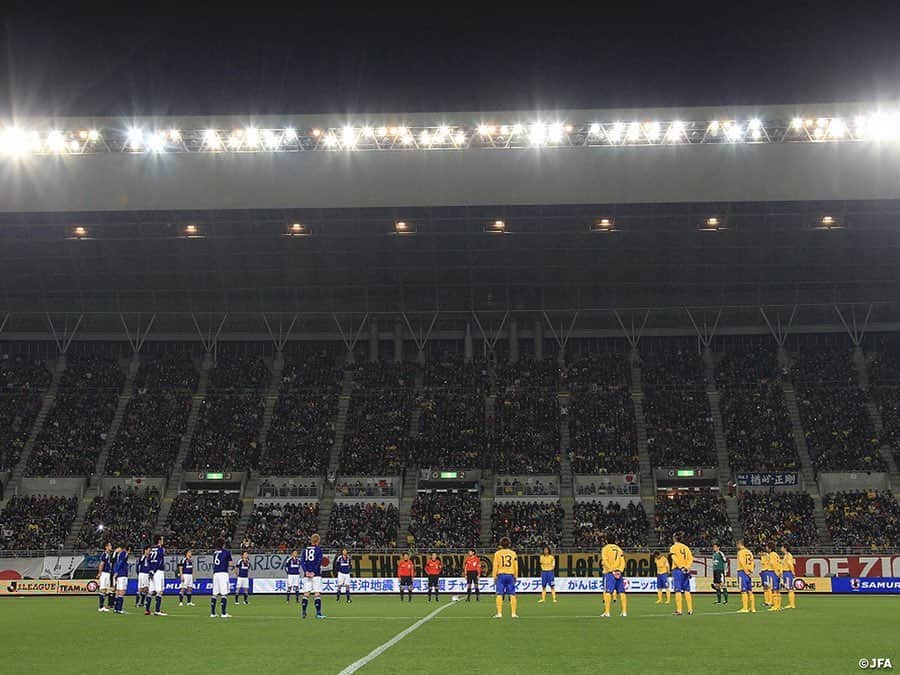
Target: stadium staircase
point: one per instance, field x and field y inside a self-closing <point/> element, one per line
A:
<point x="326" y="500"/>
<point x="15" y="479"/>
<point x="648" y="494"/>
<point x="806" y="465"/>
<point x="175" y="478"/>
<point x="93" y="489"/>
<point x="566" y="482"/>
<point x="407" y="497"/>
<point x="488" y="482"/>
<point x="724" y="470"/>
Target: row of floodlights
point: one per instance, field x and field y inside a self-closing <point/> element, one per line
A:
<point x="16" y="141"/>
<point x="405" y="227"/>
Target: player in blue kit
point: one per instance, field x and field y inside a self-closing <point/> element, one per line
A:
<point x="143" y="582"/>
<point x="104" y="577"/>
<point x="343" y="565"/>
<point x="221" y="568"/>
<point x="157" y="572"/>
<point x="120" y="574"/>
<point x="293" y="568"/>
<point x="186" y="574"/>
<point x="312" y="575"/>
<point x="242" y="583"/>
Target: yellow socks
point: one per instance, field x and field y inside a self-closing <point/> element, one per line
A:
<point x="543" y="595"/>
<point x="513" y="603"/>
<point x="776" y="596"/>
<point x="668" y="596"/>
<point x="745" y="601"/>
<point x="499" y="604"/>
<point x="690" y="602"/>
<point x="678" y="602"/>
<point x="658" y="597"/>
<point x="767" y="596"/>
<point x="624" y="599"/>
<point x="607" y="598"/>
<point x="752" y="601"/>
<point x="553" y="594"/>
<point x="791" y="599"/>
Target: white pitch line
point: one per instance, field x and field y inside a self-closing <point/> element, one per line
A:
<point x="356" y="665"/>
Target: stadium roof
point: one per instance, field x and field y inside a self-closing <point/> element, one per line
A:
<point x="727" y="154"/>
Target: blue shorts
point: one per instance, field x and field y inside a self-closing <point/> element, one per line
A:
<point x="774" y="581"/>
<point x="662" y="582"/>
<point x="506" y="584"/>
<point x="787" y="580"/>
<point x="681" y="581"/>
<point x="765" y="578"/>
<point x="610" y="583"/>
<point x="745" y="581"/>
<point x="548" y="579"/>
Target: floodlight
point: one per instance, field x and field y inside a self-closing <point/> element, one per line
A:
<point x="56" y="142"/>
<point x="348" y="137"/>
<point x="135" y="138"/>
<point x="797" y="123"/>
<point x="595" y="129"/>
<point x="634" y="131"/>
<point x="555" y="132"/>
<point x="460" y="138"/>
<point x="211" y="139"/>
<point x="517" y="129"/>
<point x="651" y="130"/>
<point x="252" y="137"/>
<point x="538" y="133"/>
<point x="93" y="135"/>
<point x="290" y="134"/>
<point x="837" y="128"/>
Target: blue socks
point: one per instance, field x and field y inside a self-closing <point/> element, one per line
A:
<point x="158" y="603"/>
<point x="212" y="606"/>
<point x="224" y="605"/>
<point x="318" y="605"/>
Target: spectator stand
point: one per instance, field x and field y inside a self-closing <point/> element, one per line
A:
<point x="619" y="489"/>
<point x="530" y="488"/>
<point x="304" y="488"/>
<point x="356" y="489"/>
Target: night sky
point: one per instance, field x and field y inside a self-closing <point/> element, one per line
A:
<point x="163" y="59"/>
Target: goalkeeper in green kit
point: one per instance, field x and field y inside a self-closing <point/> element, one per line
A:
<point x="720" y="563"/>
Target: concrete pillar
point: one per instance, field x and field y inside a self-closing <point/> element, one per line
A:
<point x="420" y="357"/>
<point x="634" y="356"/>
<point x="539" y="340"/>
<point x="351" y="357"/>
<point x="134" y="364"/>
<point x="784" y="359"/>
<point x="373" y="340"/>
<point x="707" y="357"/>
<point x="467" y="344"/>
<point x="561" y="356"/>
<point x="278" y="360"/>
<point x="398" y="341"/>
<point x="61" y="362"/>
<point x="513" y="340"/>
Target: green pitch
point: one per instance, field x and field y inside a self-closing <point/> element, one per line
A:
<point x="826" y="634"/>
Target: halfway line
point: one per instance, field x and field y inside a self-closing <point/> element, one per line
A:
<point x="356" y="665"/>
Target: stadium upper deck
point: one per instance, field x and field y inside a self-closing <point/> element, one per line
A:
<point x="768" y="153"/>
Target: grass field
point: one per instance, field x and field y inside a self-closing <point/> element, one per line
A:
<point x="825" y="634"/>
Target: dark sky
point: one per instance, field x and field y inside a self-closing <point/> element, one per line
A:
<point x="159" y="59"/>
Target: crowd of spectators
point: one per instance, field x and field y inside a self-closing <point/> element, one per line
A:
<point x="603" y="431"/>
<point x="679" y="427"/>
<point x="597" y="371"/>
<point x="22" y="383"/>
<point x="156" y="417"/>
<point x="302" y="432"/>
<point x="758" y="429"/>
<point x="747" y="366"/>
<point x="888" y="402"/>
<point x="363" y="525"/>
<point x="597" y="524"/>
<point x="36" y="522"/>
<point x="700" y="516"/>
<point x="450" y="371"/>
<point x="528" y="524"/>
<point x="528" y="373"/>
<point x="608" y="488"/>
<point x="839" y="433"/>
<point x="863" y="519"/>
<point x="198" y="519"/>
<point x="287" y="489"/>
<point x="120" y="517"/>
<point x="451" y="430"/>
<point x="76" y="427"/>
<point x="823" y="368"/>
<point x="676" y="368"/>
<point x="526" y="432"/>
<point x="231" y="414"/>
<point x="282" y="526"/>
<point x="778" y="518"/>
<point x="377" y="432"/>
<point x="445" y="520"/>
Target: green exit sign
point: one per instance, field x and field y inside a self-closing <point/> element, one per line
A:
<point x="215" y="476"/>
<point x="449" y="474"/>
<point x="686" y="473"/>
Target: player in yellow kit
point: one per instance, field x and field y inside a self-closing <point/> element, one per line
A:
<point x="506" y="569"/>
<point x="745" y="578"/>
<point x="613" y="559"/>
<point x="662" y="577"/>
<point x="774" y="579"/>
<point x="765" y="574"/>
<point x="787" y="574"/>
<point x="682" y="559"/>
<point x="548" y="577"/>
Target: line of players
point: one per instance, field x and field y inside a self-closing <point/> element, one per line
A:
<point x="305" y="572"/>
<point x="112" y="578"/>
